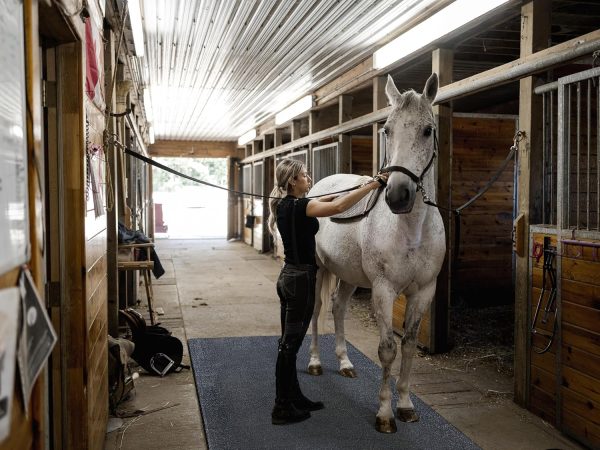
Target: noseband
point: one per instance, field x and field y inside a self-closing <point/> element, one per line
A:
<point x="417" y="179"/>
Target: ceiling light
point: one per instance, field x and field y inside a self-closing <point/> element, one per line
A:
<point x="247" y="137"/>
<point x="135" y="17"/>
<point x="440" y="24"/>
<point x="304" y="104"/>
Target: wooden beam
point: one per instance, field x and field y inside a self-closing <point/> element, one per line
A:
<point x="526" y="65"/>
<point x="535" y="32"/>
<point x="442" y="63"/>
<point x="196" y="149"/>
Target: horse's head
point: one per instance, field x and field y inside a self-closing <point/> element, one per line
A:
<point x="410" y="146"/>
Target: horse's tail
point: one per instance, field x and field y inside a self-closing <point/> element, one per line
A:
<point x="328" y="286"/>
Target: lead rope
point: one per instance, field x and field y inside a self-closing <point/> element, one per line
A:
<point x="456" y="211"/>
<point x="206" y="183"/>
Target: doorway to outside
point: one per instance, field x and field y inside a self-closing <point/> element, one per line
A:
<point x="184" y="209"/>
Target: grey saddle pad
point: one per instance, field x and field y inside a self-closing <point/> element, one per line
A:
<point x="361" y="209"/>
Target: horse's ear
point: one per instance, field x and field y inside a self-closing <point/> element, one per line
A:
<point x="392" y="91"/>
<point x="431" y="88"/>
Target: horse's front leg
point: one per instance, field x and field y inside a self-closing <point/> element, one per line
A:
<point x="416" y="304"/>
<point x="383" y="299"/>
<point x="340" y="302"/>
<point x="314" y="364"/>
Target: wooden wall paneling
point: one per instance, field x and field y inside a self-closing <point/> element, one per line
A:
<point x="485" y="254"/>
<point x="535" y="32"/>
<point x="362" y="155"/>
<point x="442" y="63"/>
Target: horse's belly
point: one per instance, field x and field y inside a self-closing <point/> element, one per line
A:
<point x="339" y="251"/>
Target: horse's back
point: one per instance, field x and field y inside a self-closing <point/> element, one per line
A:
<point x="334" y="183"/>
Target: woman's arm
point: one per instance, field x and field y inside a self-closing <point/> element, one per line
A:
<point x="330" y="205"/>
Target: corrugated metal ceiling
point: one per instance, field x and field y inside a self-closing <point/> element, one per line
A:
<point x="217" y="68"/>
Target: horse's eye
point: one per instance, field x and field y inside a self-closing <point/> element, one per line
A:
<point x="427" y="131"/>
<point x="386" y="131"/>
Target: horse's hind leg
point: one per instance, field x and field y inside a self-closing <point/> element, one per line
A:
<point x="340" y="302"/>
<point x="416" y="304"/>
<point x="314" y="365"/>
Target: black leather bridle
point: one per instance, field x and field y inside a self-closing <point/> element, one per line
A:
<point x="417" y="179"/>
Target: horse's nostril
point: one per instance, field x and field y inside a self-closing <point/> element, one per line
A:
<point x="404" y="195"/>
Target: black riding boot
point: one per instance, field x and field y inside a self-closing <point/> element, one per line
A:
<point x="285" y="411"/>
<point x="300" y="401"/>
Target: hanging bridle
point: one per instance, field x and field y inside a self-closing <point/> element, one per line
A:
<point x="417" y="179"/>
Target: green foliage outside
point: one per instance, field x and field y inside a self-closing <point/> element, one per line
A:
<point x="211" y="170"/>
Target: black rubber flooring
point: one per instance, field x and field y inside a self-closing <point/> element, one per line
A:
<point x="235" y="381"/>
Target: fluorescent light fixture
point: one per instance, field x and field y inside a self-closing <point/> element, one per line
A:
<point x="247" y="137"/>
<point x="135" y="17"/>
<point x="440" y="24"/>
<point x="304" y="104"/>
<point x="151" y="134"/>
<point x="148" y="106"/>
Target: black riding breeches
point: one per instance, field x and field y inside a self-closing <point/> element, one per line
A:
<point x="296" y="291"/>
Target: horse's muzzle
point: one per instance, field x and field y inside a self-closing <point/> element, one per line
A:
<point x="400" y="195"/>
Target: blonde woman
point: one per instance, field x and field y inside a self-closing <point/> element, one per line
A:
<point x="294" y="216"/>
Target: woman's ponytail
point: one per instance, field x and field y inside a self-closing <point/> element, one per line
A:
<point x="273" y="203"/>
<point x="286" y="171"/>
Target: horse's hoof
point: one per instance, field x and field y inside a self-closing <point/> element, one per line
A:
<point x="348" y="373"/>
<point x="407" y="415"/>
<point x="386" y="425"/>
<point x="315" y="370"/>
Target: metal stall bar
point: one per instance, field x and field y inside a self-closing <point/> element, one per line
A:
<point x="547" y="91"/>
<point x="589" y="136"/>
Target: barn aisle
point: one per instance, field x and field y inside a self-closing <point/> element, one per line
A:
<point x="215" y="288"/>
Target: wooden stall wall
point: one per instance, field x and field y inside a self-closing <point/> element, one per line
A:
<point x="572" y="364"/>
<point x="479" y="145"/>
<point x="580" y="333"/>
<point x="96" y="320"/>
<point x="542" y="385"/>
<point x="362" y="155"/>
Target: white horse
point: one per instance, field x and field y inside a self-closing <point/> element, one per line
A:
<point x="397" y="248"/>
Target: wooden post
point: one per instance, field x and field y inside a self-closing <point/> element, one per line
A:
<point x="345" y="113"/>
<point x="345" y="108"/>
<point x="379" y="101"/>
<point x="278" y="137"/>
<point x="72" y="230"/>
<point x="295" y="129"/>
<point x="443" y="65"/>
<point x="535" y="32"/>
<point x="112" y="219"/>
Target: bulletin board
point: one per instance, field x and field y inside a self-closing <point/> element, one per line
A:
<point x="14" y="217"/>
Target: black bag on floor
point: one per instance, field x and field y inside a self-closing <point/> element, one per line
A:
<point x="156" y="350"/>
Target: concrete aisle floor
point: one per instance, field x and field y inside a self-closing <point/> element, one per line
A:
<point x="215" y="288"/>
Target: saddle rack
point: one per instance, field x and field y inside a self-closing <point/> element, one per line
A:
<point x="548" y="252"/>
